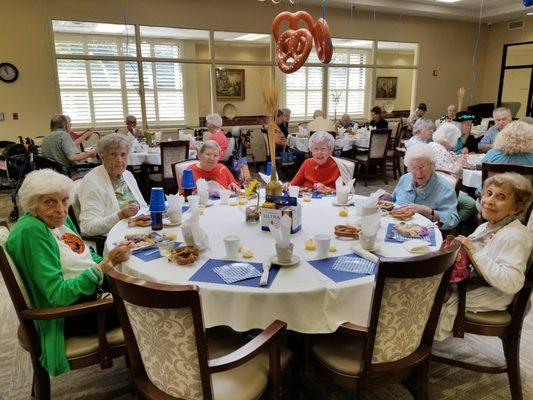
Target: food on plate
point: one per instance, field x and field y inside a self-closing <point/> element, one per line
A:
<point x="324" y="190"/>
<point x="171" y="237"/>
<point x="385" y="205"/>
<point x="143" y="239"/>
<point x="411" y="229"/>
<point x="247" y="254"/>
<point x="141" y="220"/>
<point x="332" y="249"/>
<point x="347" y="231"/>
<point x="184" y="255"/>
<point x="310" y="245"/>
<point x="402" y="213"/>
<point x="343" y="212"/>
<point x="242" y="200"/>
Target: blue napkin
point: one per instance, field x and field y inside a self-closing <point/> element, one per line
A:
<point x="326" y="267"/>
<point x="206" y="273"/>
<point x="236" y="272"/>
<point x="150" y="253"/>
<point x="395" y="237"/>
<point x="355" y="264"/>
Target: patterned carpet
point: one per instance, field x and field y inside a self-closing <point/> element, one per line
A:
<point x="92" y="383"/>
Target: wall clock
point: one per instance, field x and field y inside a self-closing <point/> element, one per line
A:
<point x="8" y="72"/>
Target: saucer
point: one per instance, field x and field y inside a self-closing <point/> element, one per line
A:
<point x="295" y="260"/>
<point x="350" y="203"/>
<point x="166" y="222"/>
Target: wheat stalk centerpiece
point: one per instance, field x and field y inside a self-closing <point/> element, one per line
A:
<point x="271" y="99"/>
<point x="460" y="98"/>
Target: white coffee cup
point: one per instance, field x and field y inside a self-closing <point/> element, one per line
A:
<point x="294" y="191"/>
<point x="343" y="197"/>
<point x="194" y="202"/>
<point x="367" y="242"/>
<point x="224" y="196"/>
<point x="231" y="243"/>
<point x="174" y="216"/>
<point x="322" y="245"/>
<point x="204" y="197"/>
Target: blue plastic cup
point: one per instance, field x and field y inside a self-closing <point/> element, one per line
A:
<point x="157" y="200"/>
<point x="269" y="168"/>
<point x="187" y="181"/>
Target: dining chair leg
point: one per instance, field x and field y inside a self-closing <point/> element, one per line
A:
<point x="41" y="384"/>
<point x="366" y="173"/>
<point x="394" y="167"/>
<point x="512" y="356"/>
<point x="384" y="171"/>
<point x="421" y="381"/>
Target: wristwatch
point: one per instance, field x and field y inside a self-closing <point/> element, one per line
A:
<point x="433" y="214"/>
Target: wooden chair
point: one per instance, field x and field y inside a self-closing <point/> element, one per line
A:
<point x="286" y="168"/>
<point x="396" y="346"/>
<point x="507" y="325"/>
<point x="490" y="169"/>
<point x="377" y="151"/>
<point x="82" y="351"/>
<point x="188" y="367"/>
<point x="394" y="153"/>
<point x="171" y="152"/>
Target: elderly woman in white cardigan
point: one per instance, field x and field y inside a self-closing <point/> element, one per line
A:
<point x="500" y="248"/>
<point x="109" y="192"/>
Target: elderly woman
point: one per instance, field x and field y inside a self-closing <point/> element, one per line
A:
<point x="109" y="192"/>
<point x="320" y="170"/>
<point x="58" y="268"/>
<point x="214" y="123"/>
<point x="422" y="130"/>
<point x="451" y="113"/>
<point x="444" y="140"/>
<point x="423" y="191"/>
<point x="500" y="249"/>
<point x="513" y="145"/>
<point x="208" y="167"/>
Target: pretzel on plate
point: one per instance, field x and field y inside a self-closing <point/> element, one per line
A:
<point x="347" y="231"/>
<point x="141" y="220"/>
<point x="184" y="255"/>
<point x="402" y="213"/>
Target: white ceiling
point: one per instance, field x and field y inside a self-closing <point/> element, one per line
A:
<point x="493" y="10"/>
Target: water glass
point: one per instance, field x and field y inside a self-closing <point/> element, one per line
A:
<point x="231" y="244"/>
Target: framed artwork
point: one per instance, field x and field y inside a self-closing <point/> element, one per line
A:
<point x="230" y="84"/>
<point x="386" y="87"/>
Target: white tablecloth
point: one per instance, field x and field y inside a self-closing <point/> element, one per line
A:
<point x="345" y="143"/>
<point x="472" y="178"/>
<point x="301" y="296"/>
<point x="299" y="142"/>
<point x="150" y="157"/>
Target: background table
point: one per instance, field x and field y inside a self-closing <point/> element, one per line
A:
<point x="150" y="157"/>
<point x="472" y="178"/>
<point x="307" y="300"/>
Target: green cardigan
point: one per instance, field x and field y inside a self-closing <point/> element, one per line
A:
<point x="35" y="252"/>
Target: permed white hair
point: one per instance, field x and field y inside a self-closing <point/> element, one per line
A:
<point x="112" y="140"/>
<point x="210" y="144"/>
<point x="41" y="182"/>
<point x="447" y="132"/>
<point x="214" y="119"/>
<point x="322" y="136"/>
<point x="422" y="124"/>
<point x="421" y="150"/>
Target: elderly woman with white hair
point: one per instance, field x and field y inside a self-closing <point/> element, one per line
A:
<point x="320" y="170"/>
<point x="513" y="145"/>
<point x="422" y="130"/>
<point x="109" y="192"/>
<point x="214" y="123"/>
<point x="57" y="267"/>
<point x="423" y="191"/>
<point x="499" y="249"/>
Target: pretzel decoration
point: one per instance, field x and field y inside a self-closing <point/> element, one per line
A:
<point x="296" y="43"/>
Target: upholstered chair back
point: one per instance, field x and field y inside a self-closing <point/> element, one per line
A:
<point x="379" y="140"/>
<point x="172" y="152"/>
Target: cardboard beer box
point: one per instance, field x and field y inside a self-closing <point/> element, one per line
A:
<point x="277" y="206"/>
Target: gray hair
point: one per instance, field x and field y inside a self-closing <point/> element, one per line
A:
<point x="501" y="110"/>
<point x="421" y="150"/>
<point x="41" y="182"/>
<point x="214" y="119"/>
<point x="210" y="144"/>
<point x="112" y="140"/>
<point x="322" y="136"/>
<point x="451" y="105"/>
<point x="286" y="110"/>
<point x="447" y="132"/>
<point x="130" y="117"/>
<point x="422" y="124"/>
<point x="318" y="113"/>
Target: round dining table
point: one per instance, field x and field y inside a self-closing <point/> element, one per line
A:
<point x="306" y="299"/>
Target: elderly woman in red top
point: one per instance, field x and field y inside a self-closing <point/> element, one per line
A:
<point x="214" y="123"/>
<point x="209" y="168"/>
<point x="321" y="170"/>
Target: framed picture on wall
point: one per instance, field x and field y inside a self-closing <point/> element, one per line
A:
<point x="386" y="87"/>
<point x="230" y="84"/>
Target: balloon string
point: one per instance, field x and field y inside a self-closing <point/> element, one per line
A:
<point x="324" y="9"/>
<point x="474" y="54"/>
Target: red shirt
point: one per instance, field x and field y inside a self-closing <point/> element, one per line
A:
<point x="220" y="174"/>
<point x="74" y="135"/>
<point x="222" y="141"/>
<point x="311" y="172"/>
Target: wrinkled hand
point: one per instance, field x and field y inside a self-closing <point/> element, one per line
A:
<point x="128" y="211"/>
<point x="417" y="208"/>
<point x="91" y="153"/>
<point x="119" y="254"/>
<point x="467" y="243"/>
<point x="233" y="186"/>
<point x="285" y="186"/>
<point x="318" y="186"/>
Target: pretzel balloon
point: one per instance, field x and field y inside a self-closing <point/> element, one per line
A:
<point x="295" y="45"/>
<point x="322" y="36"/>
<point x="293" y="19"/>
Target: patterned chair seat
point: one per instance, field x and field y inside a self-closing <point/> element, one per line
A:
<point x="496" y="318"/>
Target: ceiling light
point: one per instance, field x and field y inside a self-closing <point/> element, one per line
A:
<point x="109" y="28"/>
<point x="250" y="37"/>
<point x="447" y="1"/>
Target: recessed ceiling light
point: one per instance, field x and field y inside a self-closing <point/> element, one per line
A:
<point x="447" y="1"/>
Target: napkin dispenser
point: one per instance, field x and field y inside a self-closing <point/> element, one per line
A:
<point x="277" y="206"/>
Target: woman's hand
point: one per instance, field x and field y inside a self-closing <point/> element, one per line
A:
<point x="128" y="211"/>
<point x="319" y="186"/>
<point x="467" y="243"/>
<point x="386" y="196"/>
<point x="417" y="208"/>
<point x="285" y="186"/>
<point x="119" y="254"/>
<point x="464" y="150"/>
<point x="233" y="186"/>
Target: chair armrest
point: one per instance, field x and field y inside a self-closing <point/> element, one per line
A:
<point x="68" y="311"/>
<point x="249" y="350"/>
<point x="353" y="329"/>
<point x="458" y="325"/>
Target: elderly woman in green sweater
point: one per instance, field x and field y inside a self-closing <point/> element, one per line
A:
<point x="58" y="268"/>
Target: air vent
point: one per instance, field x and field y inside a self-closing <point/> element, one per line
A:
<point x="513" y="25"/>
